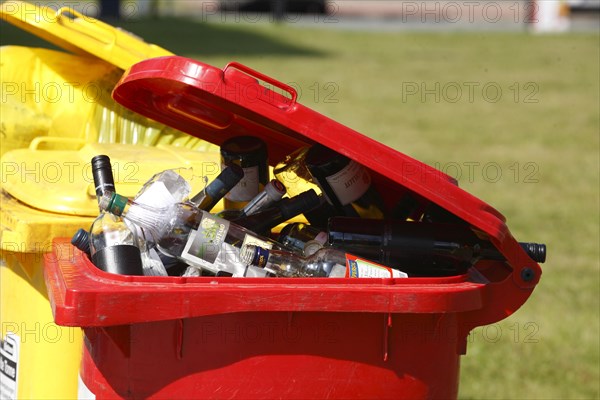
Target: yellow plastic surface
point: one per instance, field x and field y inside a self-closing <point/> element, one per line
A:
<point x="49" y="93"/>
<point x="60" y="181"/>
<point x="49" y="355"/>
<point x="80" y="34"/>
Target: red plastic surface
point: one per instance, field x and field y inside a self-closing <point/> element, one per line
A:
<point x="276" y="355"/>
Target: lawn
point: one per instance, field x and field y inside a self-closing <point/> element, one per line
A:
<point x="515" y="117"/>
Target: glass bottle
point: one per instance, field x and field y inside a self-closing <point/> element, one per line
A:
<point x="273" y="192"/>
<point x="263" y="221"/>
<point x="114" y="247"/>
<point x="346" y="184"/>
<point x="219" y="187"/>
<point x="418" y="247"/>
<point x="154" y="263"/>
<point x="296" y="177"/>
<point x="190" y="234"/>
<point x="298" y="235"/>
<point x="250" y="153"/>
<point x="164" y="188"/>
<point x="327" y="262"/>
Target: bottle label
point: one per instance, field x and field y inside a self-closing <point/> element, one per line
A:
<point x="249" y="239"/>
<point x="247" y="188"/>
<point x="122" y="259"/>
<point x="350" y="183"/>
<point x="359" y="268"/>
<point x="204" y="245"/>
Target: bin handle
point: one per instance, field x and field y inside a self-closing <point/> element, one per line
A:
<point x="36" y="142"/>
<point x="98" y="30"/>
<point x="259" y="75"/>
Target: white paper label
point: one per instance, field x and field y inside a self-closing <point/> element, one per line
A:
<point x="9" y="366"/>
<point x="246" y="188"/>
<point x="359" y="268"/>
<point x="204" y="244"/>
<point x="350" y="183"/>
<point x="249" y="239"/>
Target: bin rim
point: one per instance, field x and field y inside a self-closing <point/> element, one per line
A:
<point x="82" y="295"/>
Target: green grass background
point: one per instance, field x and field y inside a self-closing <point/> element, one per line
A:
<point x="544" y="140"/>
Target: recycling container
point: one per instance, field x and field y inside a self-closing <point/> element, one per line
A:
<point x="51" y="101"/>
<point x="206" y="337"/>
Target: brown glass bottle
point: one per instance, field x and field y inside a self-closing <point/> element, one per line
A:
<point x="346" y="184"/>
<point x="250" y="153"/>
<point x="424" y="249"/>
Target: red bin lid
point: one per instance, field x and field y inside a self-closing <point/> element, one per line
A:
<point x="215" y="104"/>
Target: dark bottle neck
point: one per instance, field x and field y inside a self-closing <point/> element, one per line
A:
<point x="219" y="187"/>
<point x="284" y="210"/>
<point x="103" y="176"/>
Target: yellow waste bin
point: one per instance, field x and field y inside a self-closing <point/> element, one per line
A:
<point x="57" y="114"/>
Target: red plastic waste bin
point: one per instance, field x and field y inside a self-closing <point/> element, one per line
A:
<point x="204" y="337"/>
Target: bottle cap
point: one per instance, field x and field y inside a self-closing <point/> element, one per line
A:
<point x="536" y="251"/>
<point x="102" y="173"/>
<point x="275" y="190"/>
<point x="319" y="156"/>
<point x="250" y="147"/>
<point x="81" y="240"/>
<point x="254" y="255"/>
<point x="113" y="203"/>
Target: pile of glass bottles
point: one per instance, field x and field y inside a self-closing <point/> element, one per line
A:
<point x="346" y="230"/>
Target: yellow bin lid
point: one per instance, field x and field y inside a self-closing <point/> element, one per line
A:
<point x="80" y="34"/>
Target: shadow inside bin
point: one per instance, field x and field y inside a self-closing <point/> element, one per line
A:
<point x="279" y="355"/>
<point x="184" y="37"/>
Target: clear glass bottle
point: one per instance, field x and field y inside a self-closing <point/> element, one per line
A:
<point x="190" y="234"/>
<point x="114" y="247"/>
<point x="164" y="188"/>
<point x="298" y="235"/>
<point x="296" y="177"/>
<point x="327" y="262"/>
<point x="250" y="153"/>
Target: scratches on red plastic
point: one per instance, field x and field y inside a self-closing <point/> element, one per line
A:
<point x="179" y="338"/>
<point x="387" y="324"/>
